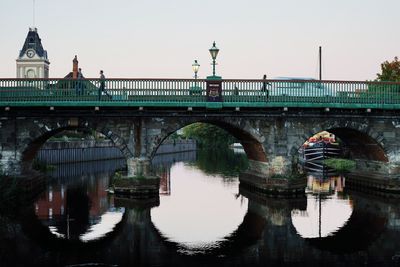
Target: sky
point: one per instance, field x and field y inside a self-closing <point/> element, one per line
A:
<point x="161" y="39"/>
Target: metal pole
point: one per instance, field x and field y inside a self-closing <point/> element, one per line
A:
<point x="320" y="63"/>
<point x="213" y="67"/>
<point x="33" y="13"/>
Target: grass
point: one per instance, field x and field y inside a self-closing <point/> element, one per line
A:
<point x="340" y="165"/>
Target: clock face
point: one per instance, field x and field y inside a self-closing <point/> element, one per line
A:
<point x="30" y="53"/>
<point x="30" y="74"/>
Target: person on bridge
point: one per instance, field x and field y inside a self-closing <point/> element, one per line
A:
<point x="264" y="86"/>
<point x="102" y="87"/>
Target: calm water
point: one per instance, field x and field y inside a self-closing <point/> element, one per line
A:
<point x="203" y="218"/>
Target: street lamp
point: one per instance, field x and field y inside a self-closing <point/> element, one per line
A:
<point x="214" y="52"/>
<point x="195" y="67"/>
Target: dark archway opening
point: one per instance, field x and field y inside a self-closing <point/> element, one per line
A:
<point x="78" y="144"/>
<point x="341" y="143"/>
<point x="253" y="148"/>
<point x="360" y="145"/>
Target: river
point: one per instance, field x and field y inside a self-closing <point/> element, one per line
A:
<point x="202" y="218"/>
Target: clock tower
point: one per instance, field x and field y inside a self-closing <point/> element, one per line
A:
<point x="32" y="61"/>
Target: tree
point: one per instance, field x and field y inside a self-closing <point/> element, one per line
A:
<point x="389" y="93"/>
<point x="390" y="71"/>
<point x="208" y="135"/>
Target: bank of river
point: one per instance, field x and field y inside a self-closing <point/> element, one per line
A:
<point x="60" y="152"/>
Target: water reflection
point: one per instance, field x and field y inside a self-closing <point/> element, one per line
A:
<point x="328" y="208"/>
<point x="78" y="207"/>
<point x="224" y="162"/>
<point x="203" y="221"/>
<point x="201" y="211"/>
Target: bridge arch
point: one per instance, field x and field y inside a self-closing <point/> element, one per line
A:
<point x="40" y="132"/>
<point x="362" y="142"/>
<point x="250" y="138"/>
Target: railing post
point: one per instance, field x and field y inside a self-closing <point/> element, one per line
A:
<point x="214" y="89"/>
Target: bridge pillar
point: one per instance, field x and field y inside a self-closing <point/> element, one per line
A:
<point x="277" y="177"/>
<point x="10" y="163"/>
<point x="138" y="167"/>
<point x="139" y="182"/>
<point x="277" y="166"/>
<point x="276" y="172"/>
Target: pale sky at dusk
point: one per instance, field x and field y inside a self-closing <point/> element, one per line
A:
<point x="159" y="38"/>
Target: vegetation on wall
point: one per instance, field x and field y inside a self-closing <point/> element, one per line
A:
<point x="340" y="165"/>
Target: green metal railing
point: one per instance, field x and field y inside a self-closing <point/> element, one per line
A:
<point x="185" y="92"/>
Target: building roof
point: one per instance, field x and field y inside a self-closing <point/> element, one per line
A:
<point x="33" y="41"/>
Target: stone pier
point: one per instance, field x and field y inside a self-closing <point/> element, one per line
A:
<point x="138" y="182"/>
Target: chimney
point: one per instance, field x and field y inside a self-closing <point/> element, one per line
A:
<point x="75" y="68"/>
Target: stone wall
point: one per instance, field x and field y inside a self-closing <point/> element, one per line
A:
<point x="270" y="137"/>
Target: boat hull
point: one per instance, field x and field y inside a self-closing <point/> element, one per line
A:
<point x="321" y="151"/>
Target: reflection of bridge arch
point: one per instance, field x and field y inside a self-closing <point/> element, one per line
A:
<point x="246" y="235"/>
<point x="264" y="229"/>
<point x="360" y="231"/>
<point x="33" y="228"/>
<point x="322" y="218"/>
<point x="356" y="233"/>
<point x="136" y="225"/>
<point x="364" y="226"/>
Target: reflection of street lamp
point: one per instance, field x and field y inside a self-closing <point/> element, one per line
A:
<point x="214" y="52"/>
<point x="195" y="67"/>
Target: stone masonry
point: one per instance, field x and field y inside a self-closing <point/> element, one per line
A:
<point x="271" y="141"/>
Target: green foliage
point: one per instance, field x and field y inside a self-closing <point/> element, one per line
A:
<point x="389" y="93"/>
<point x="340" y="165"/>
<point x="175" y="136"/>
<point x="208" y="135"/>
<point x="390" y="71"/>
<point x="117" y="175"/>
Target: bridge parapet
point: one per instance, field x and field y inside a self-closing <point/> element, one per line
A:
<point x="179" y="93"/>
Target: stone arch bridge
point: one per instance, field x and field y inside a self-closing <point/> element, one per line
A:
<point x="271" y="138"/>
<point x="271" y="118"/>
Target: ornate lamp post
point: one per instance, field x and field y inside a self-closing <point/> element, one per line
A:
<point x="214" y="52"/>
<point x="195" y="67"/>
<point x="195" y="90"/>
<point x="214" y="83"/>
